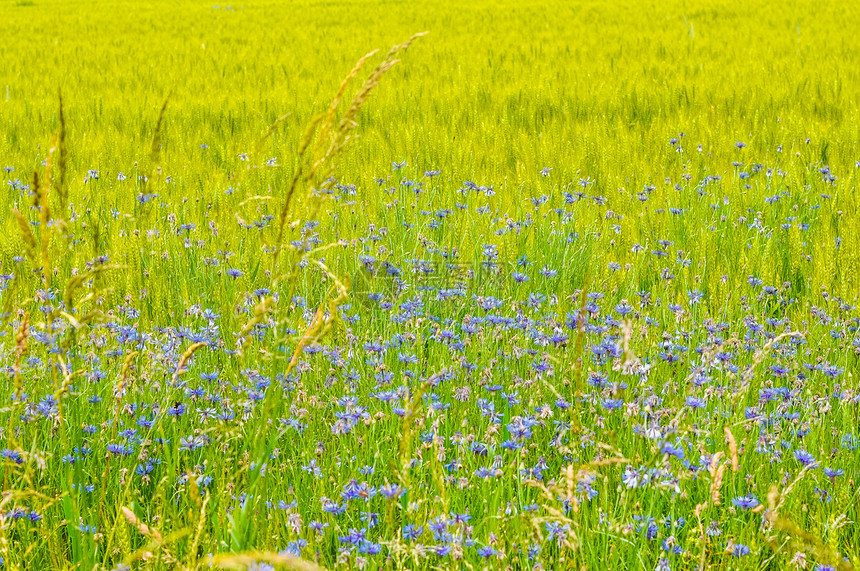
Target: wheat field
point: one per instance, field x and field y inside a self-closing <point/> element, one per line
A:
<point x="429" y="285"/>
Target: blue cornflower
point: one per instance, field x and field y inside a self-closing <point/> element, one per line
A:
<point x="833" y="473"/>
<point x="547" y="272"/>
<point x="671" y="450"/>
<point x="556" y="531"/>
<point x="612" y="404"/>
<point x="804" y="457"/>
<point x="13" y="455"/>
<point x="412" y="531"/>
<point x="485" y="472"/>
<point x="392" y="491"/>
<point x="746" y="502"/>
<point x="740" y="550"/>
<point x="294" y="548"/>
<point x="177" y="410"/>
<point x="47" y="406"/>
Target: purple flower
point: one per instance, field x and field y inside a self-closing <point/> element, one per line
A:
<point x="556" y="531"/>
<point x="746" y="502"/>
<point x="804" y="457"/>
<point x="833" y="473"/>
<point x="177" y="410"/>
<point x="671" y="450"/>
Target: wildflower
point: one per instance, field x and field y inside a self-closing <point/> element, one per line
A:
<point x="484" y="472"/>
<point x="671" y="450"/>
<point x="177" y="409"/>
<point x="804" y="457"/>
<point x="740" y="550"/>
<point x="746" y="502"/>
<point x="12" y="455"/>
<point x="833" y="473"/>
<point x="391" y="491"/>
<point x="556" y="531"/>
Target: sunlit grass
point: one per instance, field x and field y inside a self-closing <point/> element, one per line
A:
<point x="575" y="289"/>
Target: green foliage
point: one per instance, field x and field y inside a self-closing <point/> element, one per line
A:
<point x="191" y="160"/>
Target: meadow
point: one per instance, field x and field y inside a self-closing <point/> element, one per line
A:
<point x="555" y="285"/>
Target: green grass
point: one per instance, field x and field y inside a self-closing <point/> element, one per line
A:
<point x="456" y="295"/>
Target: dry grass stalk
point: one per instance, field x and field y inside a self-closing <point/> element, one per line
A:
<point x="75" y="282"/>
<point x="138" y="524"/>
<point x="716" y="470"/>
<point x="62" y="157"/>
<point x="41" y="197"/>
<point x="248" y="558"/>
<point x="126" y="367"/>
<point x="717" y="483"/>
<point x="733" y="448"/>
<point x="26" y="235"/>
<point x="198" y="533"/>
<point x="331" y="137"/>
<point x="21" y="348"/>
<point x="824" y="553"/>
<point x="258" y="149"/>
<point x="68" y="377"/>
<point x="553" y="490"/>
<point x="261" y="311"/>
<point x="183" y="361"/>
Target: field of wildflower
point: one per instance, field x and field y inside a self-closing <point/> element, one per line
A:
<point x="548" y="285"/>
